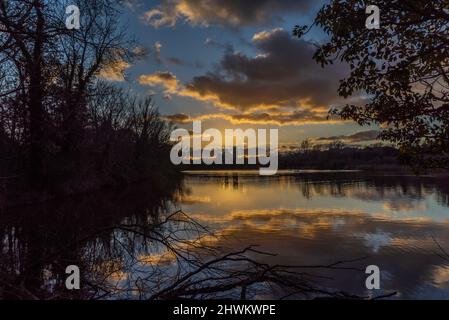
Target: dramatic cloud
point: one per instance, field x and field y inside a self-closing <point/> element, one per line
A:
<point x="362" y="136"/>
<point x="178" y="118"/>
<point x="282" y="75"/>
<point x="169" y="84"/>
<point x="282" y="84"/>
<point x="272" y="118"/>
<point x="114" y="71"/>
<point x="115" y="67"/>
<point x="166" y="80"/>
<point x="234" y="13"/>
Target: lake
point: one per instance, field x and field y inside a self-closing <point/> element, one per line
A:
<point x="327" y="226"/>
<point x="318" y="218"/>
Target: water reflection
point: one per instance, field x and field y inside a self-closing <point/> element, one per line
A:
<point x="38" y="242"/>
<point x="129" y="244"/>
<point x="318" y="218"/>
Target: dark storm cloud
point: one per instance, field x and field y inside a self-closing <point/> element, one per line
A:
<point x="362" y="136"/>
<point x="178" y="118"/>
<point x="283" y="75"/>
<point x="281" y="85"/>
<point x="288" y="118"/>
<point x="264" y="118"/>
<point x="234" y="13"/>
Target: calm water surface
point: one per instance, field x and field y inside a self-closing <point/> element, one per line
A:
<point x="304" y="217"/>
<point x="316" y="218"/>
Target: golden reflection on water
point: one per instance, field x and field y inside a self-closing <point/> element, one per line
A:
<point x="320" y="218"/>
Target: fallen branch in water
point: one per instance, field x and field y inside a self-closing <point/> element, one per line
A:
<point x="172" y="257"/>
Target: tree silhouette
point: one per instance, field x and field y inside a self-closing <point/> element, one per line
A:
<point x="402" y="68"/>
<point x="61" y="127"/>
<point x="48" y="71"/>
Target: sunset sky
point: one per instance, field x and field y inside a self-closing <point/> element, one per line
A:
<point x="235" y="64"/>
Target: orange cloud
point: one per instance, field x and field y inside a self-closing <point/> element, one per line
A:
<point x="281" y="85"/>
<point x="272" y="118"/>
<point x="114" y="71"/>
<point x="167" y="80"/>
<point x="233" y="13"/>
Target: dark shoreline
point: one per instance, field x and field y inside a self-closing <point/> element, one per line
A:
<point x="27" y="198"/>
<point x="18" y="198"/>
